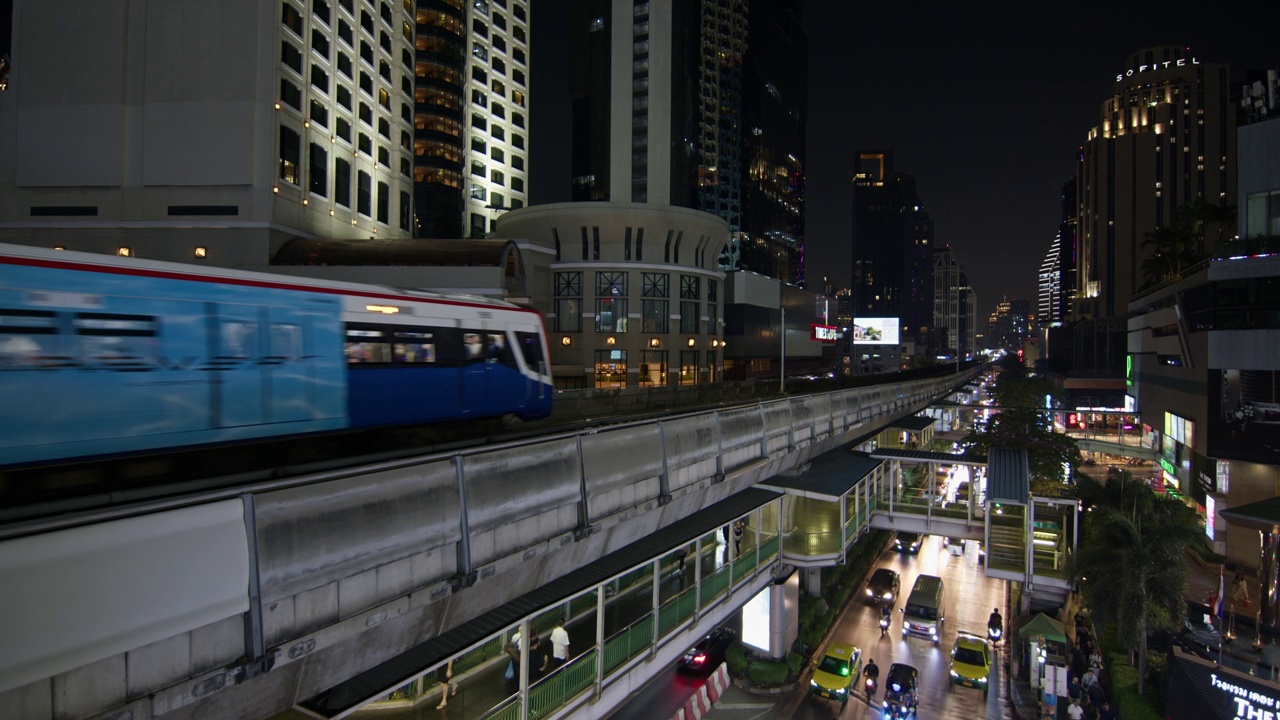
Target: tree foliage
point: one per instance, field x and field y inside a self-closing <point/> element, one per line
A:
<point x="1020" y="421"/>
<point x="1197" y="228"/>
<point x="1132" y="563"/>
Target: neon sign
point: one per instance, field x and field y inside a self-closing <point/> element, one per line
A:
<point x="825" y="333"/>
<point x="1181" y="62"/>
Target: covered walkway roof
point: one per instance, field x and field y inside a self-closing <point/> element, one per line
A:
<point x="1008" y="476"/>
<point x="1263" y="515"/>
<point x="922" y="456"/>
<point x="915" y="423"/>
<point x="829" y="476"/>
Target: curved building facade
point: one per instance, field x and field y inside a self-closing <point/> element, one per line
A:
<point x="636" y="299"/>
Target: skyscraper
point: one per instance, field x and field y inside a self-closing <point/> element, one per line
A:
<point x="955" y="305"/>
<point x="696" y="104"/>
<point x="892" y="248"/>
<point x="1165" y="138"/>
<point x="209" y="132"/>
<point x="470" y="114"/>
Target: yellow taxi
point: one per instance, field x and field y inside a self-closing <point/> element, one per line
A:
<point x="971" y="661"/>
<point x="835" y="672"/>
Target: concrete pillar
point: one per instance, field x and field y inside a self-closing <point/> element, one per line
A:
<point x="813" y="582"/>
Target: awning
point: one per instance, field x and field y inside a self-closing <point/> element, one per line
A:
<point x="1044" y="625"/>
<point x="1008" y="476"/>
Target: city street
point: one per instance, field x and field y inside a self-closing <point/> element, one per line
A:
<point x="970" y="596"/>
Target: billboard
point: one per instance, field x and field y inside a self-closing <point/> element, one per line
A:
<point x="875" y="331"/>
<point x="824" y="333"/>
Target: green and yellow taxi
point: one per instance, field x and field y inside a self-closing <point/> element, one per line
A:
<point x="971" y="661"/>
<point x="835" y="671"/>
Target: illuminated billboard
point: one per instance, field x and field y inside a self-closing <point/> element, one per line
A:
<point x="875" y="331"/>
<point x="824" y="333"/>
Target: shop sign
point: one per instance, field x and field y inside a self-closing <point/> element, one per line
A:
<point x="1198" y="689"/>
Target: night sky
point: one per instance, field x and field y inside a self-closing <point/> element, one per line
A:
<point x="986" y="109"/>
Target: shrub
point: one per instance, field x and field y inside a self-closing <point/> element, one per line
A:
<point x="767" y="673"/>
<point x="794" y="664"/>
<point x="1124" y="690"/>
<point x="736" y="656"/>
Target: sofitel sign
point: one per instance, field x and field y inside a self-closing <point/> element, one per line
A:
<point x="1181" y="62"/>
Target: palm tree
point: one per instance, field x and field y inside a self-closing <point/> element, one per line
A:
<point x="1132" y="566"/>
<point x="1182" y="243"/>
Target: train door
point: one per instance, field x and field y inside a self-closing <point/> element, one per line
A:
<point x="285" y="382"/>
<point x="237" y="337"/>
<point x="477" y="398"/>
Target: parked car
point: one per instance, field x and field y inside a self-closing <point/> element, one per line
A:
<point x="708" y="654"/>
<point x="883" y="587"/>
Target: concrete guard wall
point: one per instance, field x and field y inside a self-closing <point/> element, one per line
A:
<point x="351" y="568"/>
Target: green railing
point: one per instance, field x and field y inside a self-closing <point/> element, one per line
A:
<point x="769" y="548"/>
<point x="509" y="711"/>
<point x="628" y="643"/>
<point x="553" y="692"/>
<point x="714" y="586"/>
<point x="813" y="543"/>
<point x="743" y="565"/>
<point x="675" y="611"/>
<point x="478" y="655"/>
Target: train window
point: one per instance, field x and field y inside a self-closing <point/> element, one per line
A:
<point x="117" y="341"/>
<point x="367" y="346"/>
<point x="286" y="341"/>
<point x="487" y="347"/>
<point x="28" y="339"/>
<point x="531" y="349"/>
<point x="414" y="347"/>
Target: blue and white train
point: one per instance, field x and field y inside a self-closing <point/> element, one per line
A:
<point x="102" y="355"/>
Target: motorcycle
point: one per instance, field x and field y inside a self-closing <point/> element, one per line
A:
<point x="871" y="689"/>
<point x="884" y="625"/>
<point x="994" y="633"/>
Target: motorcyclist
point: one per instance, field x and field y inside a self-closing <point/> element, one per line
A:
<point x="995" y="622"/>
<point x="885" y="610"/>
<point x="871" y="672"/>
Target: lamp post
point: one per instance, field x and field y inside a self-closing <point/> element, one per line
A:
<point x="782" y="380"/>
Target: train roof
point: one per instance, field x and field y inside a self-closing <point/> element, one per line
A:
<point x="99" y="262"/>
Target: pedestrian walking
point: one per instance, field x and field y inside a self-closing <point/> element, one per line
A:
<point x="738" y="528"/>
<point x="559" y="645"/>
<point x="1075" y="712"/>
<point x="539" y="660"/>
<point x="444" y="676"/>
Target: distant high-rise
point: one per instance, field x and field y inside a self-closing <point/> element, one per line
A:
<point x="955" y="305"/>
<point x="208" y="132"/>
<point x="892" y="248"/>
<point x="471" y="99"/>
<point x="1058" y="270"/>
<point x="1166" y="138"/>
<point x="696" y="104"/>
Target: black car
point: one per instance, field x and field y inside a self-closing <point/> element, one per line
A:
<point x="908" y="542"/>
<point x="900" y="691"/>
<point x="708" y="654"/>
<point x="883" y="587"/>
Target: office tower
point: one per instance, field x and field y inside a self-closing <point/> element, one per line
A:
<point x="696" y="104"/>
<point x="471" y="101"/>
<point x="893" y="272"/>
<point x="210" y="132"/>
<point x="955" y="306"/>
<point x="1057" y="271"/>
<point x="1165" y="139"/>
